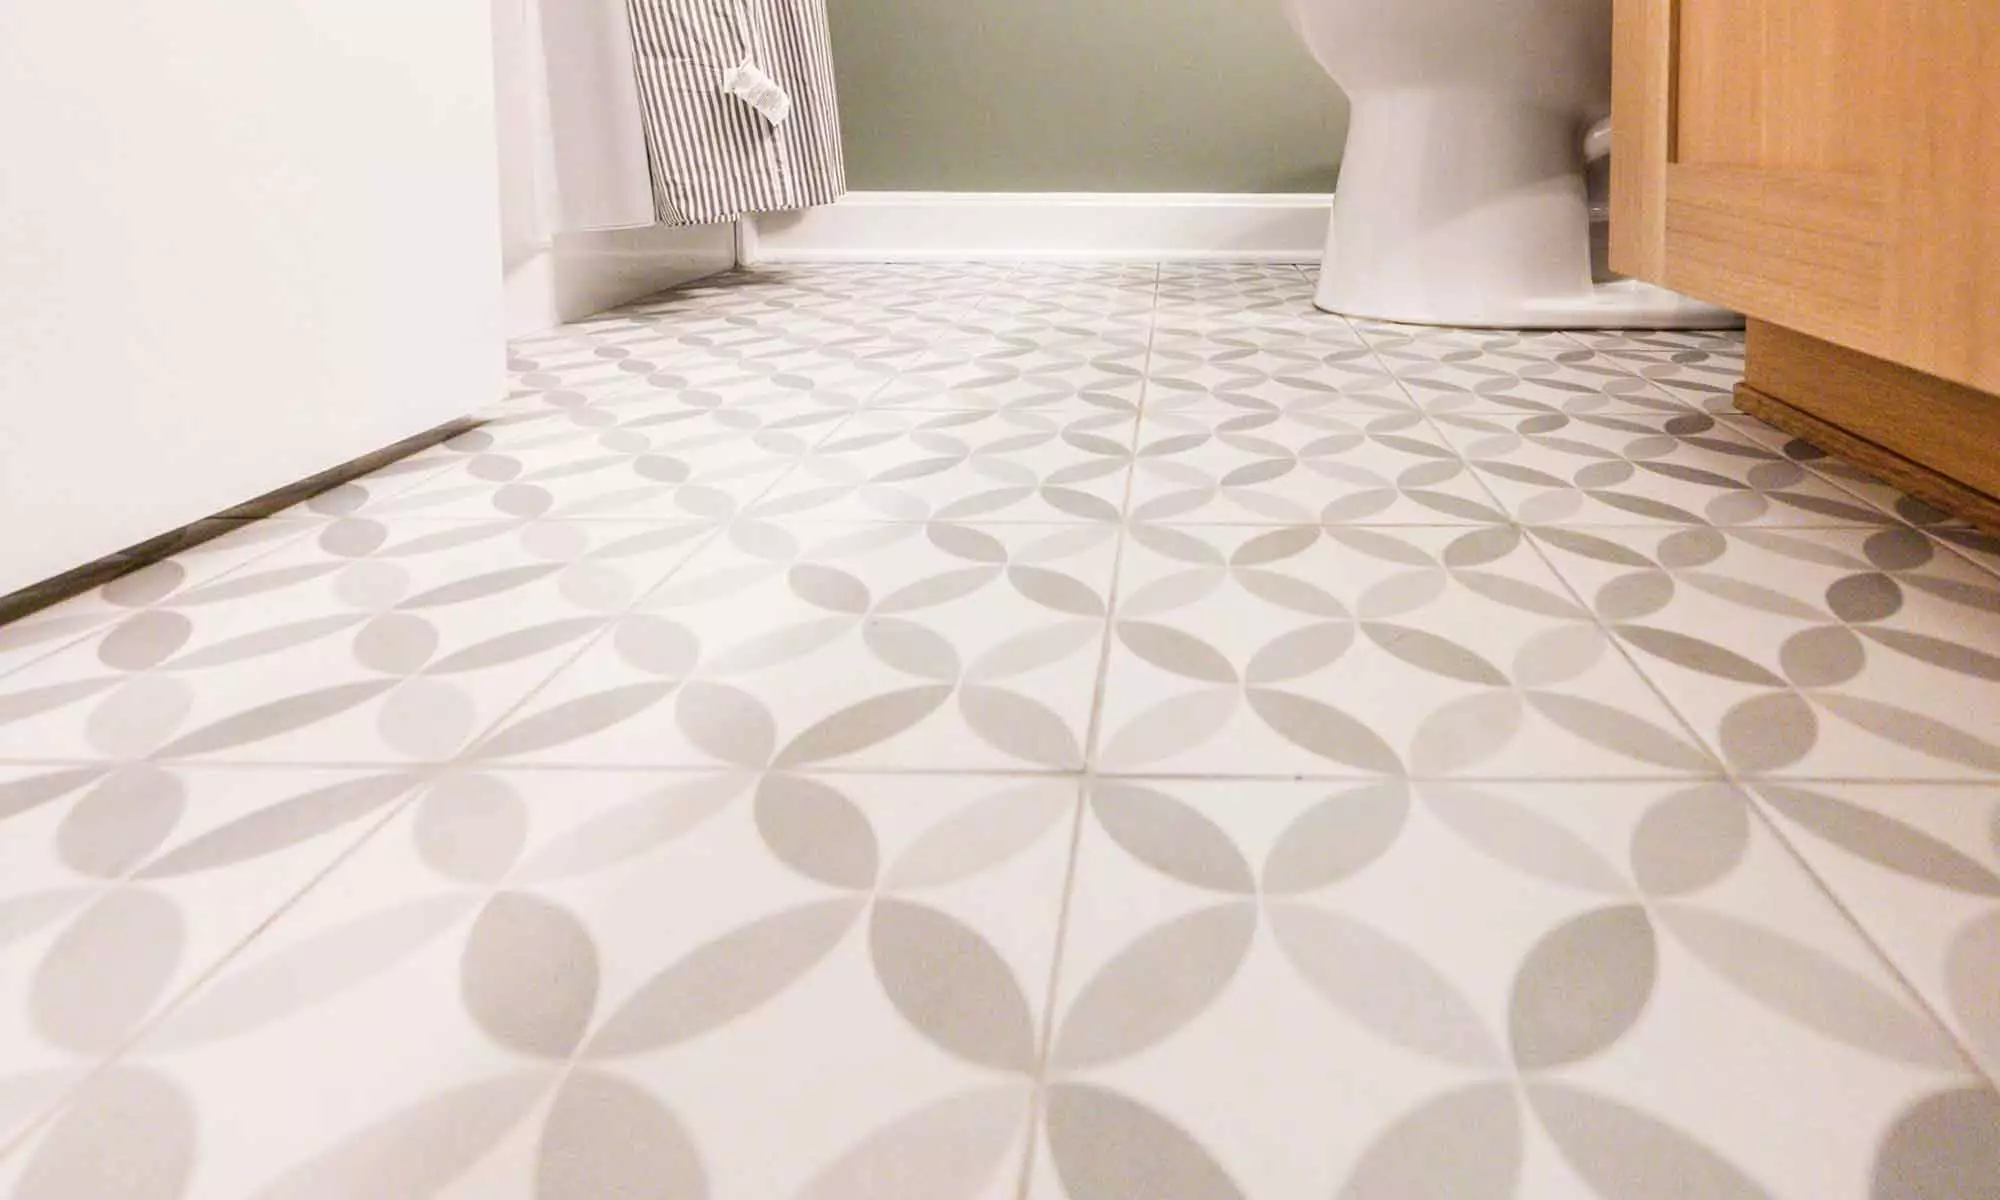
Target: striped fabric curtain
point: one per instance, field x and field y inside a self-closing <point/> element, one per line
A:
<point x="715" y="154"/>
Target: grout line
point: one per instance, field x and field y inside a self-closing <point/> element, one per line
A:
<point x="1087" y="782"/>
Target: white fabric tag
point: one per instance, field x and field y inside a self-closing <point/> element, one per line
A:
<point x="761" y="92"/>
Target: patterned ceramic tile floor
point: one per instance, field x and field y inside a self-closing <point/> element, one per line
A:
<point x="1039" y="731"/>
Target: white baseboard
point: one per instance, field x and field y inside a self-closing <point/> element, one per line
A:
<point x="1136" y="226"/>
<point x="582" y="274"/>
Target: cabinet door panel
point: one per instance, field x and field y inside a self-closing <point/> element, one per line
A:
<point x="1828" y="165"/>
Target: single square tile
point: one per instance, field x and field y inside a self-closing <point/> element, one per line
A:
<point x="581" y="985"/>
<point x="125" y="883"/>
<point x="1918" y="867"/>
<point x="1534" y="989"/>
<point x="1304" y="467"/>
<point x="371" y="642"/>
<point x="967" y="465"/>
<point x="1351" y="650"/>
<point x="1614" y="469"/>
<point x="888" y="645"/>
<point x="1838" y="653"/>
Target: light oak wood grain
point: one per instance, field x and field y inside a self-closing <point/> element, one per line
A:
<point x="1937" y="440"/>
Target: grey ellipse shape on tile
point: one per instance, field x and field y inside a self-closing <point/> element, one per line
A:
<point x="1801" y="984"/>
<point x="981" y="835"/>
<point x="263" y="643"/>
<point x="277" y="717"/>
<point x="1881" y="839"/>
<point x="1482" y="546"/>
<point x="255" y="992"/>
<point x="1691" y="840"/>
<point x="1520" y="594"/>
<point x="912" y="649"/>
<point x="281" y="825"/>
<point x="1466" y="731"/>
<point x="1635" y="596"/>
<point x="1057" y="591"/>
<point x="528" y="975"/>
<point x="942" y="588"/>
<point x="1154" y="985"/>
<point x="121" y="821"/>
<point x="829" y="588"/>
<point x="1557" y="655"/>
<point x="1827" y="656"/>
<point x="30" y="792"/>
<point x="1971" y="976"/>
<point x="1945" y="1147"/>
<point x="952" y="985"/>
<point x="774" y="648"/>
<point x="1465" y="1145"/>
<point x="1176" y="651"/>
<point x="1336" y="838"/>
<point x="608" y="1137"/>
<point x="108" y="970"/>
<point x="1034" y="649"/>
<point x="1519" y="837"/>
<point x="1107" y="1146"/>
<point x="515" y="645"/>
<point x="1299" y="652"/>
<point x="1582" y="987"/>
<point x="1633" y="1155"/>
<point x="1324" y="730"/>
<point x="723" y="979"/>
<point x="1745" y="594"/>
<point x="572" y="720"/>
<point x="950" y="1149"/>
<point x="1273" y="587"/>
<point x="815" y="830"/>
<point x="1938" y="652"/>
<point x="1768" y="732"/>
<point x="1917" y="731"/>
<point x="1020" y="725"/>
<point x="726" y="723"/>
<point x="396" y="643"/>
<point x="1618" y="731"/>
<point x="130" y="1134"/>
<point x="141" y="713"/>
<point x="1172" y="837"/>
<point x="634" y="828"/>
<point x="1697" y="654"/>
<point x="419" y="1150"/>
<point x="863" y="724"/>
<point x="471" y="828"/>
<point x="1428" y="651"/>
<point x="480" y="587"/>
<point x="1383" y="985"/>
<point x="29" y="702"/>
<point x="1589" y="545"/>
<point x="1277" y="545"/>
<point x="144" y="640"/>
<point x="1174" y="725"/>
<point x="1860" y="599"/>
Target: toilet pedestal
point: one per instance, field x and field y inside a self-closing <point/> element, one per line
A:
<point x="1452" y="210"/>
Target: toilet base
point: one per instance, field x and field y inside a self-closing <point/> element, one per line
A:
<point x="1457" y="208"/>
<point x="1622" y="304"/>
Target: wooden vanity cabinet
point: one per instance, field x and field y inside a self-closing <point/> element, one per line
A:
<point x="1830" y="168"/>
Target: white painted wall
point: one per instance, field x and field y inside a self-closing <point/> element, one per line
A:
<point x="241" y="241"/>
<point x="587" y="103"/>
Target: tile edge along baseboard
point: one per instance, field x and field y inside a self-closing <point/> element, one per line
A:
<point x="1100" y="226"/>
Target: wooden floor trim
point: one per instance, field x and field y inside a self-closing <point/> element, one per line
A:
<point x="1918" y="480"/>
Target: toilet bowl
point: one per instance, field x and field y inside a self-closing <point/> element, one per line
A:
<point x="1463" y="195"/>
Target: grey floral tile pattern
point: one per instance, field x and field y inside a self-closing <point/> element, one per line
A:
<point x="1044" y="731"/>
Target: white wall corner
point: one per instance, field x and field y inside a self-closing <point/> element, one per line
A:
<point x="1138" y="226"/>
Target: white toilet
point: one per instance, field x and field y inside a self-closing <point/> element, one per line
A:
<point x="1463" y="196"/>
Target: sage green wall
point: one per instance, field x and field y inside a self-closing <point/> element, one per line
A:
<point x="1082" y="96"/>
